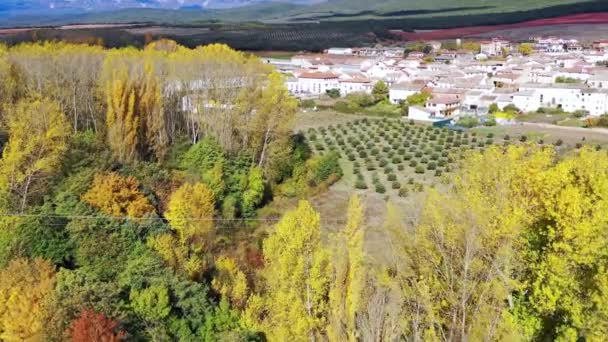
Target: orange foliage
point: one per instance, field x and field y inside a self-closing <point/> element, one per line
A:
<point x="91" y="326"/>
<point x="116" y="195"/>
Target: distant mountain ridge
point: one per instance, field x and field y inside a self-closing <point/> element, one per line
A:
<point x="403" y="13"/>
<point x="45" y="7"/>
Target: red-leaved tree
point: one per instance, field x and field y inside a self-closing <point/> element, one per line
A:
<point x="94" y="327"/>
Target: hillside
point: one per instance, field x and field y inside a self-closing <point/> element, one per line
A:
<point x="406" y="13"/>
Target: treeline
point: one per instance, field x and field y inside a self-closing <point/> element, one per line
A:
<point x="124" y="181"/>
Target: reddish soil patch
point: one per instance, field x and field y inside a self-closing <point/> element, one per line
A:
<point x="586" y="18"/>
<point x="14" y="30"/>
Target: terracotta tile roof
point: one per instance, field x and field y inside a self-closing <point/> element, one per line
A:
<point x="319" y="75"/>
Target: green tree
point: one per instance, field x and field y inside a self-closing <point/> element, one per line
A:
<point x="253" y="195"/>
<point x="152" y="303"/>
<point x="418" y="99"/>
<point x="380" y="91"/>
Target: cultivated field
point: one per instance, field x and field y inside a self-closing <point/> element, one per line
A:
<point x="374" y="138"/>
<point x="587" y="26"/>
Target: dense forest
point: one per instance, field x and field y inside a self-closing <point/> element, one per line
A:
<point x="132" y="185"/>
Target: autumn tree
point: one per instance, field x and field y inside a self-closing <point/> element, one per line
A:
<point x="190" y="213"/>
<point x="565" y="297"/>
<point x="525" y="49"/>
<point x="230" y="282"/>
<point x="91" y="326"/>
<point x="135" y="118"/>
<point x="37" y="139"/>
<point x="272" y="123"/>
<point x="456" y="270"/>
<point x="118" y="196"/>
<point x="472" y="46"/>
<point x="26" y="288"/>
<point x="65" y="73"/>
<point x="294" y="303"/>
<point x="347" y="288"/>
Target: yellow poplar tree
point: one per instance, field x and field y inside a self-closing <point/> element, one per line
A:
<point x="294" y="305"/>
<point x="230" y="281"/>
<point x="566" y="255"/>
<point x="274" y="118"/>
<point x="26" y="288"/>
<point x="455" y="270"/>
<point x="121" y="119"/>
<point x="37" y="139"/>
<point x="190" y="213"/>
<point x="135" y="119"/>
<point x="347" y="287"/>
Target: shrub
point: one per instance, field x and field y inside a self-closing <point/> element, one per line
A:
<point x="388" y="170"/>
<point x="523" y="138"/>
<point x="360" y="184"/>
<point x="403" y="192"/>
<point x="468" y="122"/>
<point x="559" y="142"/>
<point x="431" y="166"/>
<point x="370" y="167"/>
<point x="396" y="160"/>
<point x="418" y="154"/>
<point x="400" y="167"/>
<point x="418" y="187"/>
<point x="424" y="160"/>
<point x="391" y="177"/>
<point x="579" y="145"/>
<point x="362" y="154"/>
<point x="410" y="180"/>
<point x="396" y="185"/>
<point x="320" y="147"/>
<point x="438" y="173"/>
<point x="413" y="163"/>
<point x="383" y="163"/>
<point x="326" y="167"/>
<point x="489" y="142"/>
<point x="434" y="156"/>
<point x="380" y="188"/>
<point x="419" y="169"/>
<point x="506" y="137"/>
<point x="407" y="156"/>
